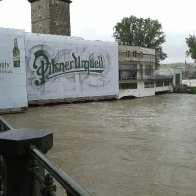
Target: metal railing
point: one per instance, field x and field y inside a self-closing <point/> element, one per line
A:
<point x="161" y="77"/>
<point x="136" y="74"/>
<point x="41" y="184"/>
<point x="4" y="126"/>
<point x="72" y="188"/>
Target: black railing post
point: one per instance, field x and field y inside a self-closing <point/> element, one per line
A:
<point x="14" y="146"/>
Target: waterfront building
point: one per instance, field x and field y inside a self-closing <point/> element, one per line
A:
<point x="138" y="76"/>
<point x="43" y="68"/>
<point x="69" y="69"/>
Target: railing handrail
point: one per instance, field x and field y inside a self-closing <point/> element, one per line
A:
<point x="5" y="124"/>
<point x="61" y="176"/>
<point x="72" y="187"/>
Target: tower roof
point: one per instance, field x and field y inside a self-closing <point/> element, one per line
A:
<point x="66" y="1"/>
<point x="32" y="1"/>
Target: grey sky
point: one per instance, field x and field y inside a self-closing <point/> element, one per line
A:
<point x="95" y="19"/>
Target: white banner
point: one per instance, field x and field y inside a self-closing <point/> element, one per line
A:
<point x="61" y="67"/>
<point x="13" y="92"/>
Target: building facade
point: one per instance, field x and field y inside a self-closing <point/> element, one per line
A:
<point x="137" y="73"/>
<point x="51" y="17"/>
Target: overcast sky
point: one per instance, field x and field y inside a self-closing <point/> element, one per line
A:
<point x="95" y="19"/>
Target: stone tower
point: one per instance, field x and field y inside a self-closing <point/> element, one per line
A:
<point x="50" y="16"/>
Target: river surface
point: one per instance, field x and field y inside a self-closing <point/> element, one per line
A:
<point x="132" y="147"/>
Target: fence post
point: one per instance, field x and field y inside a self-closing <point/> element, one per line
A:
<point x="14" y="146"/>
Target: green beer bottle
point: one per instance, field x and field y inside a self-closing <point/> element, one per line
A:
<point x="16" y="54"/>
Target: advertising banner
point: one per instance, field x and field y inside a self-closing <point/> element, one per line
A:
<point x="13" y="92"/>
<point x="60" y="67"/>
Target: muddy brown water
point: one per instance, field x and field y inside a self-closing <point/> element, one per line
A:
<point x="133" y="147"/>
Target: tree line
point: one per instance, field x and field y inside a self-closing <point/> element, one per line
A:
<point x="145" y="32"/>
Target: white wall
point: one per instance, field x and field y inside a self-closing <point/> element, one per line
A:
<point x="13" y="92"/>
<point x="139" y="92"/>
<point x="143" y="92"/>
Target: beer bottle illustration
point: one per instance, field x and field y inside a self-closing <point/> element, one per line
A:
<point x="16" y="54"/>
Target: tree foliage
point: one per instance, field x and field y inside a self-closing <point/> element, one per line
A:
<point x="135" y="31"/>
<point x="191" y="43"/>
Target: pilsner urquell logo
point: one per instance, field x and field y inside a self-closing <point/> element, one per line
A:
<point x="46" y="69"/>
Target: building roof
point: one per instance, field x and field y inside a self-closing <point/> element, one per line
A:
<point x="160" y="77"/>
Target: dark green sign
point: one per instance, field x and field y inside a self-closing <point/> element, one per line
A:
<point x="46" y="68"/>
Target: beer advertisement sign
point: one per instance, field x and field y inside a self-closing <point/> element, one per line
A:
<point x="13" y="92"/>
<point x="61" y="67"/>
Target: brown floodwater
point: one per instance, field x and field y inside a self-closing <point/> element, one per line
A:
<point x="132" y="147"/>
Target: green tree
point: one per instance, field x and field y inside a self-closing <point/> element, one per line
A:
<point x="191" y="43"/>
<point x="135" y="31"/>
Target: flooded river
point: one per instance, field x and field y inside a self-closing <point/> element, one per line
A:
<point x="133" y="147"/>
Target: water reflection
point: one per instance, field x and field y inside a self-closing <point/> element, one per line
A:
<point x="143" y="146"/>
